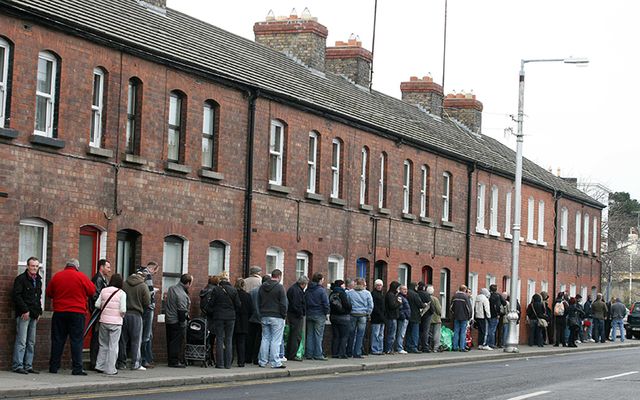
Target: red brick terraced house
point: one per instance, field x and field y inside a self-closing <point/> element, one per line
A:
<point x="134" y="132"/>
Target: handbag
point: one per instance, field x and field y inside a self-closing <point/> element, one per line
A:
<point x="541" y="321"/>
<point x="95" y="315"/>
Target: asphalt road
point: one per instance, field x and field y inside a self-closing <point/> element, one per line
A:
<point x="571" y="376"/>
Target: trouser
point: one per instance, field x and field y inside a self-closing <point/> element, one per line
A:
<point x="295" y="335"/>
<point x="392" y="326"/>
<point x="413" y="336"/>
<point x="425" y="331"/>
<point x="483" y="328"/>
<point x="607" y="329"/>
<point x="377" y="338"/>
<point x="94" y="346"/>
<point x="598" y="330"/>
<point x="340" y="330"/>
<point x="588" y="328"/>
<point x="535" y="333"/>
<point x="560" y="324"/>
<point x="108" y="343"/>
<point x="175" y="343"/>
<point x="574" y="332"/>
<point x="254" y="337"/>
<point x="400" y="333"/>
<point x="358" y="329"/>
<point x="491" y="335"/>
<point x="24" y="346"/>
<point x="65" y="324"/>
<point x="505" y="333"/>
<point x="459" y="334"/>
<point x="617" y="323"/>
<point x="146" y="348"/>
<point x="315" y="333"/>
<point x="272" y="329"/>
<point x="130" y="339"/>
<point x="436" y="329"/>
<point x="239" y="344"/>
<point x="224" y="339"/>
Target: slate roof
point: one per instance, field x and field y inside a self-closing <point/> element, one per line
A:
<point x="181" y="39"/>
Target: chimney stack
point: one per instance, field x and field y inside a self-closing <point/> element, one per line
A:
<point x="299" y="36"/>
<point x="466" y="109"/>
<point x="424" y="93"/>
<point x="350" y="59"/>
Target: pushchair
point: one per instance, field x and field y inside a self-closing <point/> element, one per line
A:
<point x="198" y="347"/>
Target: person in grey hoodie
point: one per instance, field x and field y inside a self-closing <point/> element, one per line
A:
<point x="618" y="312"/>
<point x="177" y="306"/>
<point x="138" y="299"/>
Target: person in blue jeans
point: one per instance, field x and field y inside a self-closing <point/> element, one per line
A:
<point x="361" y="307"/>
<point x="27" y="296"/>
<point x="403" y="321"/>
<point x="316" y="310"/>
<point x="272" y="303"/>
<point x="393" y="302"/>
<point x="618" y="312"/>
<point x="377" y="319"/>
<point x="461" y="312"/>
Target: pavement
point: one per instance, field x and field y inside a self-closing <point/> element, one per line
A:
<point x="13" y="385"/>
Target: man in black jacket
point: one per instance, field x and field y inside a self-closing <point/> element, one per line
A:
<point x="425" y="320"/>
<point x="27" y="296"/>
<point x="495" y="301"/>
<point x="377" y="319"/>
<point x="101" y="280"/>
<point x="295" y="316"/>
<point x="416" y="305"/>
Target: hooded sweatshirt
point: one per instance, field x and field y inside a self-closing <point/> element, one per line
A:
<point x="361" y="301"/>
<point x="482" y="306"/>
<point x="272" y="300"/>
<point x="316" y="300"/>
<point x="138" y="297"/>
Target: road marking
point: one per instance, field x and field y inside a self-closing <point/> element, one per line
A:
<point x="530" y="395"/>
<point x="617" y="376"/>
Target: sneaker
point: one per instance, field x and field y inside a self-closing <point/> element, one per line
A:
<point x="402" y="352"/>
<point x="283" y="359"/>
<point x="591" y="341"/>
<point x="481" y="347"/>
<point x="140" y="368"/>
<point x="488" y="348"/>
<point x="20" y="371"/>
<point x="578" y="342"/>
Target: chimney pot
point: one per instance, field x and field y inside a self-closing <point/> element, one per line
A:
<point x="424" y="93"/>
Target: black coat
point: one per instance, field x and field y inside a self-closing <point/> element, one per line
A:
<point x="495" y="301"/>
<point x="223" y="302"/>
<point x="378" y="313"/>
<point x="415" y="304"/>
<point x="27" y="296"/>
<point x="295" y="298"/>
<point x="392" y="305"/>
<point x="344" y="299"/>
<point x="244" y="312"/>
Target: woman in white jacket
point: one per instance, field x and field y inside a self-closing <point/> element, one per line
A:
<point x="113" y="302"/>
<point x="482" y="313"/>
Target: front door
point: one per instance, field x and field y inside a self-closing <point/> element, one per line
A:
<point x="89" y="251"/>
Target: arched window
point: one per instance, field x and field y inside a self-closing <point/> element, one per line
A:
<point x="134" y="116"/>
<point x="493" y="212"/>
<point x="541" y="223"/>
<point x="97" y="106"/>
<point x="530" y="218"/>
<point x="210" y="124"/>
<point x="480" y="209"/>
<point x="424" y="191"/>
<point x="404" y="274"/>
<point x="335" y="268"/>
<point x="219" y="252"/>
<point x="507" y="216"/>
<point x="407" y="183"/>
<point x="446" y="196"/>
<point x="336" y="168"/>
<point x="177" y="128"/>
<point x="364" y="176"/>
<point x="427" y="275"/>
<point x="362" y="268"/>
<point x="585" y="236"/>
<point x="5" y="81"/>
<point x="277" y="156"/>
<point x="46" y="95"/>
<point x="303" y="264"/>
<point x="444" y="291"/>
<point x="32" y="242"/>
<point x="382" y="182"/>
<point x="128" y="252"/>
<point x="578" y="229"/>
<point x="594" y="241"/>
<point x="275" y="259"/>
<point x="312" y="162"/>
<point x="564" y="225"/>
<point x="174" y="260"/>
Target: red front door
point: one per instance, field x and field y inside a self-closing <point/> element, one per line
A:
<point x="89" y="251"/>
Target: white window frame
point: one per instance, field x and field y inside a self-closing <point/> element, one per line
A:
<point x="227" y="253"/>
<point x="583" y="293"/>
<point x="585" y="235"/>
<point x="530" y="218"/>
<point x="336" y="147"/>
<point x="175" y="126"/>
<point x="490" y="280"/>
<point x="541" y="241"/>
<point x="544" y="286"/>
<point x="594" y="240"/>
<point x="493" y="212"/>
<point x="208" y="134"/>
<point x="572" y="290"/>
<point x="49" y="97"/>
<point x="132" y="114"/>
<point x="95" y="138"/>
<point x="444" y="293"/>
<point x="312" y="162"/>
<point x="563" y="288"/>
<point x="519" y="291"/>
<point x="406" y="268"/>
<point x="338" y="260"/>
<point x="424" y="191"/>
<point x="446" y="196"/>
<point x="406" y="187"/>
<point x="276" y="152"/>
<point x="185" y="259"/>
<point x="381" y="182"/>
<point x="578" y="229"/>
<point x="531" y="289"/>
<point x="302" y="257"/>
<point x="507" y="216"/>
<point x="22" y="263"/>
<point x="564" y="225"/>
<point x="4" y="81"/>
<point x="473" y="285"/>
<point x="278" y="254"/>
<point x="480" y="208"/>
<point x="363" y="176"/>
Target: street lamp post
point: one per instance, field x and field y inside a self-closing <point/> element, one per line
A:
<point x="513" y="336"/>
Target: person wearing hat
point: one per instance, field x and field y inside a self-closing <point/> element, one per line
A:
<point x="254" y="280"/>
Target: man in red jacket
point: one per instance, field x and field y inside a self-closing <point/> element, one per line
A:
<point x="68" y="290"/>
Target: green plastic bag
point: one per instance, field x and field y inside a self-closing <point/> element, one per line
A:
<point x="446" y="338"/>
<point x="285" y="339"/>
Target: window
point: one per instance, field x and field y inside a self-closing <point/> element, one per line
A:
<point x="335" y="269"/>
<point x="563" y="288"/>
<point x="544" y="286"/>
<point x="275" y="259"/>
<point x="5" y="56"/>
<point x="446" y="196"/>
<point x="209" y="134"/>
<point x="406" y="186"/>
<point x="218" y="257"/>
<point x="541" y="223"/>
<point x="97" y="102"/>
<point x="530" y="219"/>
<point x="572" y="290"/>
<point x="364" y="176"/>
<point x="302" y="264"/>
<point x="506" y="284"/>
<point x="46" y="94"/>
<point x="382" y="182"/>
<point x="564" y="224"/>
<point x="473" y="285"/>
<point x="312" y="163"/>
<point x="578" y="229"/>
<point x="583" y="293"/>
<point x="404" y="274"/>
<point x="585" y="237"/>
<point x="491" y="280"/>
<point x="33" y="243"/>
<point x="175" y="151"/>
<point x="594" y="241"/>
<point x="531" y="289"/>
<point x="134" y="114"/>
<point x="507" y="216"/>
<point x="362" y="268"/>
<point x="380" y="270"/>
<point x="427" y="275"/>
<point x="480" y="209"/>
<point x="519" y="291"/>
<point x="276" y="152"/>
<point x="493" y="212"/>
<point x="127" y="252"/>
<point x="174" y="260"/>
<point x="424" y="191"/>
<point x="335" y="169"/>
<point x="444" y="291"/>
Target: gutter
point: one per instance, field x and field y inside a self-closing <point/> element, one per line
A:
<point x="557" y="195"/>
<point x="467" y="258"/>
<point x="248" y="197"/>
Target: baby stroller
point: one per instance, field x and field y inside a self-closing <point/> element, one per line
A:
<point x="198" y="344"/>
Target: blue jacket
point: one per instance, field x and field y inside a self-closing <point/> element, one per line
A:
<point x="405" y="309"/>
<point x="316" y="300"/>
<point x="361" y="301"/>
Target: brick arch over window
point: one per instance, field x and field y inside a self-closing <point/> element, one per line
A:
<point x="427" y="275"/>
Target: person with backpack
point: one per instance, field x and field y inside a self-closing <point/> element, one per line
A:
<point x="316" y="310"/>
<point x="340" y="317"/>
<point x="393" y="302"/>
<point x="495" y="302"/>
<point x="295" y="316"/>
<point x="559" y="318"/>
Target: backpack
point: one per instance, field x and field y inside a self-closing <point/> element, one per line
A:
<point x="558" y="309"/>
<point x="336" y="303"/>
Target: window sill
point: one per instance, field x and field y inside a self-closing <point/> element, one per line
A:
<point x="7" y="133"/>
<point x="279" y="188"/>
<point x="384" y="211"/>
<point x="563" y="248"/>
<point x="366" y="207"/>
<point x="541" y="244"/>
<point x="578" y="251"/>
<point x="179" y="168"/>
<point x="47" y="141"/>
<point x="448" y="224"/>
<point x="408" y="216"/>
<point x="209" y="174"/>
<point x="531" y="241"/>
<point x="100" y="152"/>
<point x="336" y="201"/>
<point x="494" y="234"/>
<point x="313" y="196"/>
<point x="585" y="252"/>
<point x="426" y="220"/>
<point x="481" y="231"/>
<point x="134" y="159"/>
<point x="508" y="236"/>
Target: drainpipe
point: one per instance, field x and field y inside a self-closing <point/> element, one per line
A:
<point x="467" y="259"/>
<point x="556" y="196"/>
<point x="248" y="197"/>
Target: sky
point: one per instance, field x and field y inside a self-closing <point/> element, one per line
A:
<point x="581" y="121"/>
